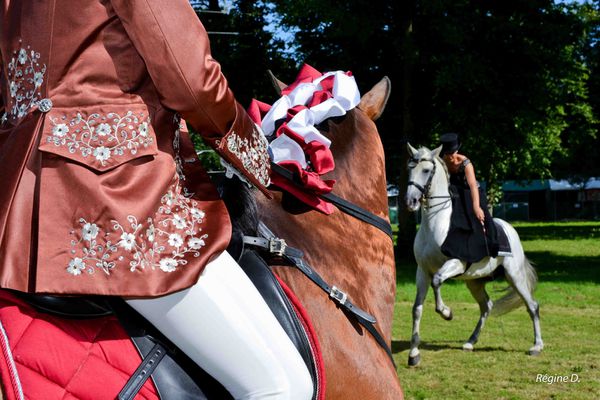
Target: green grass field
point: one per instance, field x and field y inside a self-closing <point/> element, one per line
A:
<point x="567" y="259"/>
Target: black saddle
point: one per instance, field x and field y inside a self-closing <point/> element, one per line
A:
<point x="175" y="375"/>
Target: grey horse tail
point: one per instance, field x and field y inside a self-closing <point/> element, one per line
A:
<point x="512" y="299"/>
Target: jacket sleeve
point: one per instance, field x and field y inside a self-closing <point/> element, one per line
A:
<point x="175" y="47"/>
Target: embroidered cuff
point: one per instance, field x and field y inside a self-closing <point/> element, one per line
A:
<point x="245" y="148"/>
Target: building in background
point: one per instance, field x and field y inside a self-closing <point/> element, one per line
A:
<point x="549" y="200"/>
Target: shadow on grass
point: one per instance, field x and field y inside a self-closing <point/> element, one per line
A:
<point x="549" y="266"/>
<point x="558" y="231"/>
<point x="399" y="346"/>
<point x="558" y="268"/>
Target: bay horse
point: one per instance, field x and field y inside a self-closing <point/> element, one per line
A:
<point x="428" y="190"/>
<point x="355" y="256"/>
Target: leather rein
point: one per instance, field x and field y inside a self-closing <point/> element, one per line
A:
<point x="425" y="189"/>
<point x="344" y="205"/>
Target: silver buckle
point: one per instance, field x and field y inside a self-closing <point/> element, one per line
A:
<point x="338" y="295"/>
<point x="277" y="246"/>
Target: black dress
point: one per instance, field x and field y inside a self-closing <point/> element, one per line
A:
<point x="466" y="239"/>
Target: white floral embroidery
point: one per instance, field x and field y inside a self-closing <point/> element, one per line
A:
<point x="252" y="153"/>
<point x="168" y="264"/>
<point x="197" y="213"/>
<point x="150" y="232"/>
<point x="22" y="56"/>
<point x="196" y="243"/>
<point x="127" y="241"/>
<point x="104" y="129"/>
<point x="165" y="241"/>
<point x="144" y="129"/>
<point x="179" y="221"/>
<point x="103" y="136"/>
<point x="175" y="240"/>
<point x="25" y="77"/>
<point x="89" y="231"/>
<point x="102" y="154"/>
<point x="76" y="265"/>
<point x="60" y="130"/>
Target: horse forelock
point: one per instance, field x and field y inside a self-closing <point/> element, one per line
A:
<point x="423" y="153"/>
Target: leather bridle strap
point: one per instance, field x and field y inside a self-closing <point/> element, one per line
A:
<point x="425" y="189"/>
<point x="337" y="295"/>
<point x="344" y="205"/>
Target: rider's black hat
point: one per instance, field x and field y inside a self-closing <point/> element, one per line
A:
<point x="450" y="143"/>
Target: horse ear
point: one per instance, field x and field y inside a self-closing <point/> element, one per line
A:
<point x="436" y="152"/>
<point x="277" y="84"/>
<point x="411" y="150"/>
<point x="374" y="101"/>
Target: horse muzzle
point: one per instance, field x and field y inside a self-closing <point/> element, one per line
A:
<point x="413" y="203"/>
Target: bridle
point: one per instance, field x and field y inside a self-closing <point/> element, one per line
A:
<point x="342" y="204"/>
<point x="425" y="189"/>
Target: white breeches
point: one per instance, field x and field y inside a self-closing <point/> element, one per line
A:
<point x="225" y="326"/>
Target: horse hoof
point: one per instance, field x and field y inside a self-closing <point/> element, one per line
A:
<point x="468" y="347"/>
<point x="535" y="352"/>
<point x="414" y="361"/>
<point x="447" y="317"/>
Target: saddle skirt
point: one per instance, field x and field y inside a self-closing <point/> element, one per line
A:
<point x="504" y="249"/>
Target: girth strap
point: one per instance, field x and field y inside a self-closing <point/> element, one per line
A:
<point x="143" y="372"/>
<point x="342" y="204"/>
<point x="337" y="295"/>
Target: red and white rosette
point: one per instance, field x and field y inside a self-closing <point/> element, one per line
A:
<point x="298" y="145"/>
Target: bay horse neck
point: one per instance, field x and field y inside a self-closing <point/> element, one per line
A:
<point x="359" y="162"/>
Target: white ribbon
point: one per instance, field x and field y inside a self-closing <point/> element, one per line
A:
<point x="345" y="97"/>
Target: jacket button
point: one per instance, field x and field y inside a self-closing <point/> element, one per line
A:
<point x="45" y="105"/>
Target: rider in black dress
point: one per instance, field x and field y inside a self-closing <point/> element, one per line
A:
<point x="472" y="234"/>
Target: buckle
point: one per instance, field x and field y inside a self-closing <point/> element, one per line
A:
<point x="45" y="105"/>
<point x="277" y="246"/>
<point x="338" y="295"/>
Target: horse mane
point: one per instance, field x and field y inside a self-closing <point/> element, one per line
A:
<point x="241" y="205"/>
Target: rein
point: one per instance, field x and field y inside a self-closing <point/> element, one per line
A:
<point x="344" y="205"/>
<point x="425" y="189"/>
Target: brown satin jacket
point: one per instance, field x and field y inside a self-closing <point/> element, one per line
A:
<point x="101" y="191"/>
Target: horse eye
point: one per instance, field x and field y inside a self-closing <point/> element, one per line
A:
<point x="426" y="171"/>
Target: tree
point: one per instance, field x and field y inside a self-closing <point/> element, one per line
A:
<point x="508" y="75"/>
<point x="512" y="77"/>
<point x="245" y="51"/>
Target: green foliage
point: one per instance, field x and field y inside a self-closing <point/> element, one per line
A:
<point x="512" y="77"/>
<point x="246" y="56"/>
<point x="208" y="157"/>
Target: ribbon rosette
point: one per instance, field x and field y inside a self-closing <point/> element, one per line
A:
<point x="297" y="145"/>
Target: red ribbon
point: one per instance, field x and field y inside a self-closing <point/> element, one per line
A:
<point x="319" y="156"/>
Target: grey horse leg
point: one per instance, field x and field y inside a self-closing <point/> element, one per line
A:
<point x="450" y="269"/>
<point x="523" y="280"/>
<point x="423" y="279"/>
<point x="477" y="289"/>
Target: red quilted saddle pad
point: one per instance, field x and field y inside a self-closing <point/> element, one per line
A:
<point x="49" y="358"/>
